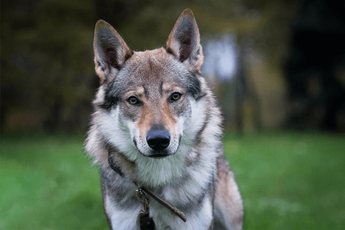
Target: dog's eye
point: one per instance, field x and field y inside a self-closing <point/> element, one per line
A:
<point x="133" y="100"/>
<point x="175" y="96"/>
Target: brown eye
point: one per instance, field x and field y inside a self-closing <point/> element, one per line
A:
<point x="175" y="96"/>
<point x="133" y="100"/>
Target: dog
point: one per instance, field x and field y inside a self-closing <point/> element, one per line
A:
<point x="156" y="125"/>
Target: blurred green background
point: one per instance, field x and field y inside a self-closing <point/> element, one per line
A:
<point x="276" y="67"/>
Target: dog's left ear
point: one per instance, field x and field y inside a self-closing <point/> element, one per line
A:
<point x="184" y="41"/>
<point x="110" y="50"/>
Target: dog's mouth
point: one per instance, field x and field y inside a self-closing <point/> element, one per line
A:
<point x="159" y="155"/>
<point x="153" y="154"/>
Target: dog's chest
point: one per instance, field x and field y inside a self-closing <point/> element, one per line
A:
<point x="190" y="196"/>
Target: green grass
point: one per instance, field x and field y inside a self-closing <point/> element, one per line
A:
<point x="288" y="180"/>
<point x="48" y="183"/>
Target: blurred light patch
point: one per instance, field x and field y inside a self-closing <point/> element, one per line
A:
<point x="281" y="206"/>
<point x="220" y="57"/>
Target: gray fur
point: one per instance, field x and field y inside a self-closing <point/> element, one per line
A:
<point x="195" y="177"/>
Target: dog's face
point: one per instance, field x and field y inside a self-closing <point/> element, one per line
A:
<point x="152" y="94"/>
<point x="149" y="98"/>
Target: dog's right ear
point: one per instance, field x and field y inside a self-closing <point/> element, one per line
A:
<point x="110" y="50"/>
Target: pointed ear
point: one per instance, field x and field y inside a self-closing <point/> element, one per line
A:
<point x="184" y="41"/>
<point x="110" y="50"/>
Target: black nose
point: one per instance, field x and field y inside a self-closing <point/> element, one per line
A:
<point x="158" y="139"/>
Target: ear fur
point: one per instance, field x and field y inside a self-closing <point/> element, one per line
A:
<point x="184" y="41"/>
<point x="110" y="50"/>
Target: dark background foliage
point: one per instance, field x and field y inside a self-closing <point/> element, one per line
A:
<point x="290" y="59"/>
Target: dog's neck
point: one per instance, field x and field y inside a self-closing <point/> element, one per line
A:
<point x="143" y="191"/>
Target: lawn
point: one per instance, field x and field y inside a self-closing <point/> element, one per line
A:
<point x="288" y="180"/>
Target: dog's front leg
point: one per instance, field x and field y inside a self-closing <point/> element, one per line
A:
<point x="121" y="217"/>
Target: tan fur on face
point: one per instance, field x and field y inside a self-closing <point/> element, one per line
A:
<point x="168" y="119"/>
<point x="139" y="92"/>
<point x="169" y="88"/>
<point x="144" y="122"/>
<point x="155" y="114"/>
<point x="155" y="108"/>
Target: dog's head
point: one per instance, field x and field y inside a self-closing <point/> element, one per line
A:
<point x="148" y="100"/>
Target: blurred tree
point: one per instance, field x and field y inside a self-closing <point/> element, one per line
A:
<point x="46" y="56"/>
<point x="47" y="70"/>
<point x="316" y="67"/>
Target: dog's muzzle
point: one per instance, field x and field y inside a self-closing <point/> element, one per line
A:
<point x="158" y="140"/>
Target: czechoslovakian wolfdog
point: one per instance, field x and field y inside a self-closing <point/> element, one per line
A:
<point x="157" y="121"/>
